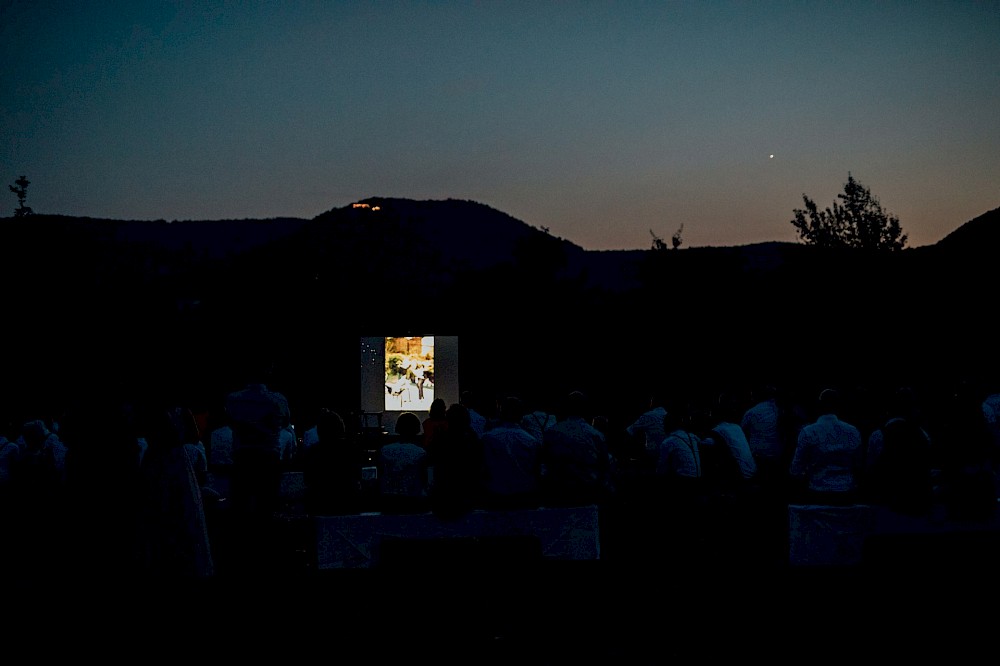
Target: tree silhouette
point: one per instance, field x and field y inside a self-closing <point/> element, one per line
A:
<point x="22" y="193"/>
<point x="856" y="221"/>
<point x="676" y="239"/>
<point x="658" y="243"/>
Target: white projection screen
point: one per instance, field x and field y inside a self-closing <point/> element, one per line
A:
<point x="406" y="373"/>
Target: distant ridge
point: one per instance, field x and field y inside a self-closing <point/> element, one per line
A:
<point x="468" y="234"/>
<point x="82" y="291"/>
<point x="422" y="243"/>
<point x="981" y="234"/>
<point x="452" y="225"/>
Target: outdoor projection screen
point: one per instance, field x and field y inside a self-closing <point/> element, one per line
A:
<point x="406" y="373"/>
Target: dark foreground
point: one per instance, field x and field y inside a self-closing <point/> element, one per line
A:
<point x="542" y="612"/>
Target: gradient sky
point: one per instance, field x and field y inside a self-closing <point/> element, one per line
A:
<point x="601" y="121"/>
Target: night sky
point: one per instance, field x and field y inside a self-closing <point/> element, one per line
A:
<point x="601" y="121"/>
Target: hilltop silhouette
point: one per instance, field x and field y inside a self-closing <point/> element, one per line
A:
<point x="117" y="301"/>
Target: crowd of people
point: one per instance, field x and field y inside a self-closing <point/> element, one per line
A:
<point x="171" y="492"/>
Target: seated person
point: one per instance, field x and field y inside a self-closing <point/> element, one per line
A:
<point x="403" y="468"/>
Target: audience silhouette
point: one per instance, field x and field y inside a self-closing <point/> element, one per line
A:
<point x="576" y="460"/>
<point x="173" y="543"/>
<point x="120" y="516"/>
<point x="646" y="431"/>
<point x="331" y="468"/>
<point x="899" y="470"/>
<point x="34" y="506"/>
<point x="536" y="421"/>
<point x="435" y="424"/>
<point x="512" y="460"/>
<point x="828" y="462"/>
<point x="459" y="468"/>
<point x="966" y="456"/>
<point x="470" y="400"/>
<point x="761" y="423"/>
<point x="258" y="417"/>
<point x="403" y="469"/>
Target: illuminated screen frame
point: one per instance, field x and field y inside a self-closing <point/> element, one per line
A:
<point x="389" y="378"/>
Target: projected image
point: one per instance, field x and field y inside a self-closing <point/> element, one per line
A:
<point x="409" y="373"/>
<point x="390" y="379"/>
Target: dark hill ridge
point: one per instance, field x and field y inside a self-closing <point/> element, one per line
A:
<point x="464" y="234"/>
<point x="425" y="246"/>
<point x="428" y="244"/>
<point x="979" y="234"/>
<point x="208" y="239"/>
<point x="461" y="235"/>
<point x="80" y="291"/>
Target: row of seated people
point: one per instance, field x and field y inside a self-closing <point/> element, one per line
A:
<point x="442" y="463"/>
<point x="452" y="462"/>
<point x="821" y="461"/>
<point x="714" y="451"/>
<point x="823" y="456"/>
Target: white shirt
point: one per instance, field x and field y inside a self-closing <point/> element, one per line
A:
<point x="537" y="422"/>
<point x="199" y="460"/>
<point x="736" y="441"/>
<point x="9" y="452"/>
<point x="513" y="460"/>
<point x="477" y="421"/>
<point x="760" y="424"/>
<point x="828" y="455"/>
<point x="310" y="437"/>
<point x="575" y="456"/>
<point x="222" y="446"/>
<point x="261" y="415"/>
<point x="679" y="455"/>
<point x="991" y="408"/>
<point x="650" y="426"/>
<point x="404" y="470"/>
